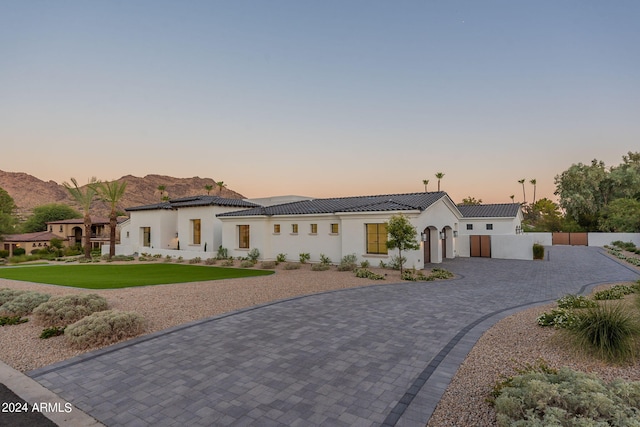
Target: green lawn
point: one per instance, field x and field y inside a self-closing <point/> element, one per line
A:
<point x="123" y="276"/>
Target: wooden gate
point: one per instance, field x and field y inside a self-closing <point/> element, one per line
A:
<point x="574" y="239"/>
<point x="481" y="246"/>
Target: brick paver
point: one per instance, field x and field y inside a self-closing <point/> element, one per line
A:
<point x="377" y="355"/>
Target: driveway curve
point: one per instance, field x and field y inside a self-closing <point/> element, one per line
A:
<point x="376" y="355"/>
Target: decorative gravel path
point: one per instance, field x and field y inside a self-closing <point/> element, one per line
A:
<point x="365" y="356"/>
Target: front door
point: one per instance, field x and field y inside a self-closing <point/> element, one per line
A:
<point x="427" y="246"/>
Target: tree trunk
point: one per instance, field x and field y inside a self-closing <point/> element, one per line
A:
<point x="113" y="220"/>
<point x="87" y="236"/>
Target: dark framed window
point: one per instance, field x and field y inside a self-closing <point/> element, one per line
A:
<point x="314" y="228"/>
<point x="294" y="228"/>
<point x="377" y="238"/>
<point x="276" y="228"/>
<point x="146" y="236"/>
<point x="469" y="226"/>
<point x="196" y="225"/>
<point x="334" y="229"/>
<point x="489" y="226"/>
<point x="243" y="236"/>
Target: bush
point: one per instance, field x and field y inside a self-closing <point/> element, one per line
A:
<point x="24" y="304"/>
<point x="608" y="330"/>
<point x="122" y="258"/>
<point x="440" y="273"/>
<point x="104" y="327"/>
<point x="615" y="292"/>
<point x="7" y="294"/>
<point x="253" y="255"/>
<point x="325" y="260"/>
<point x="268" y="265"/>
<point x="281" y="258"/>
<point x="627" y="246"/>
<point x="64" y="310"/>
<point x="179" y="259"/>
<point x="222" y="253"/>
<point x="210" y="261"/>
<point x="566" y="398"/>
<point x="247" y="264"/>
<point x="53" y="331"/>
<point x="291" y="266"/>
<point x="320" y="267"/>
<point x="19" y="251"/>
<point x="4" y="253"/>
<point x="365" y="264"/>
<point x="304" y="257"/>
<point x="227" y="263"/>
<point x="560" y="318"/>
<point x="368" y="274"/>
<point x="12" y="320"/>
<point x="538" y="251"/>
<point x="396" y="262"/>
<point x="575" y="301"/>
<point x="348" y="263"/>
<point x="413" y="275"/>
<point x="196" y="260"/>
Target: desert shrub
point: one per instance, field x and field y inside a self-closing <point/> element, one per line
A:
<point x="627" y="246"/>
<point x="167" y="258"/>
<point x="104" y="327"/>
<point x="413" y="275"/>
<point x="19" y="251"/>
<point x="24" y="304"/>
<point x="320" y="267"/>
<point x="575" y="301"/>
<point x="247" y="264"/>
<point x="53" y="331"/>
<point x="440" y="273"/>
<point x="268" y="265"/>
<point x="7" y="294"/>
<point x="281" y="258"/>
<point x="222" y="253"/>
<point x="382" y="264"/>
<point x="367" y="274"/>
<point x="4" y="253"/>
<point x="122" y="258"/>
<point x="291" y="266"/>
<point x="566" y="398"/>
<point x="63" y="310"/>
<point x="227" y="263"/>
<point x="560" y="318"/>
<point x="396" y="262"/>
<point x="179" y="259"/>
<point x="253" y="255"/>
<point x="325" y="259"/>
<point x="615" y="292"/>
<point x="348" y="263"/>
<point x="365" y="264"/>
<point x="196" y="260"/>
<point x="12" y="320"/>
<point x="210" y="261"/>
<point x="304" y="257"/>
<point x="608" y="330"/>
<point x="538" y="251"/>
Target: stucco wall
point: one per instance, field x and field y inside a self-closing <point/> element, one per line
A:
<point x="601" y="239"/>
<point x="545" y="239"/>
<point x="518" y="246"/>
<point x="500" y="226"/>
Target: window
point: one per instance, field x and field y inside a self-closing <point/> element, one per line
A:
<point x="51" y="228"/>
<point x="489" y="226"/>
<point x="146" y="236"/>
<point x="196" y="227"/>
<point x="376" y="238"/>
<point x="243" y="236"/>
<point x="334" y="228"/>
<point x="294" y="228"/>
<point x="276" y="228"/>
<point x="314" y="228"/>
<point x="469" y="226"/>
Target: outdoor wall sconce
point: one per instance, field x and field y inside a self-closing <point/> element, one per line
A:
<point x="442" y="234"/>
<point x="176" y="235"/>
<point x="423" y="236"/>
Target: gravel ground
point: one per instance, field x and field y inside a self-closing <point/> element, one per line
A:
<point x="509" y="345"/>
<point x="164" y="306"/>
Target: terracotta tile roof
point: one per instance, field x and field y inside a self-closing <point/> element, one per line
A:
<point x="94" y="220"/>
<point x="498" y="210"/>
<point x="380" y="203"/>
<point x="39" y="236"/>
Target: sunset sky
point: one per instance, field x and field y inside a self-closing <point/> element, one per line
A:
<point x="320" y="98"/>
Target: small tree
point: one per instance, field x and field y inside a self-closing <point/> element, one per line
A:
<point x="402" y="236"/>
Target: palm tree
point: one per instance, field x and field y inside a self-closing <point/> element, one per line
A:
<point x="161" y="189"/>
<point x="221" y="185"/>
<point x="111" y="193"/>
<point x="208" y="187"/>
<point x="524" y="196"/>
<point x="84" y="198"/>
<point x="439" y="175"/>
<point x="534" y="182"/>
<point x="425" y="182"/>
<point x="512" y="197"/>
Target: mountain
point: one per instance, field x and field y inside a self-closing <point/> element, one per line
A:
<point x="28" y="191"/>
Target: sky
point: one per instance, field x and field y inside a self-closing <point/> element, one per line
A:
<point x="320" y="98"/>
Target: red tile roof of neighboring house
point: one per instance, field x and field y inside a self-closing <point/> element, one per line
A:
<point x="38" y="236"/>
<point x="94" y="220"/>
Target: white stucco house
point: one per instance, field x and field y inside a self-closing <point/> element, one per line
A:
<point x="334" y="227"/>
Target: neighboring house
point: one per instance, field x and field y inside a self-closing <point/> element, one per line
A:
<point x="28" y="241"/>
<point x="336" y="227"/>
<point x="72" y="230"/>
<point x="185" y="227"/>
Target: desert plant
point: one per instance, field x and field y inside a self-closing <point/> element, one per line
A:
<point x="268" y="265"/>
<point x="575" y="301"/>
<point x="253" y="255"/>
<point x="7" y="294"/>
<point x="63" y="310"/>
<point x="365" y="264"/>
<point x="281" y="258"/>
<point x="320" y="267"/>
<point x="210" y="261"/>
<point x="291" y="266"/>
<point x="325" y="259"/>
<point x="565" y="398"/>
<point x="196" y="260"/>
<point x="538" y="251"/>
<point x="53" y="331"/>
<point x="608" y="330"/>
<point x="12" y="320"/>
<point x="440" y="273"/>
<point x="396" y="262"/>
<point x="227" y="263"/>
<point x="24" y="304"/>
<point x="304" y="257"/>
<point x="222" y="253"/>
<point x="348" y="263"/>
<point x="104" y="327"/>
<point x="179" y="259"/>
<point x="560" y="318"/>
<point x="247" y="264"/>
<point x="413" y="275"/>
<point x="367" y="274"/>
<point x="615" y="292"/>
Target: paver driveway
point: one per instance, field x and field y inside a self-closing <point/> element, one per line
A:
<point x="367" y="356"/>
